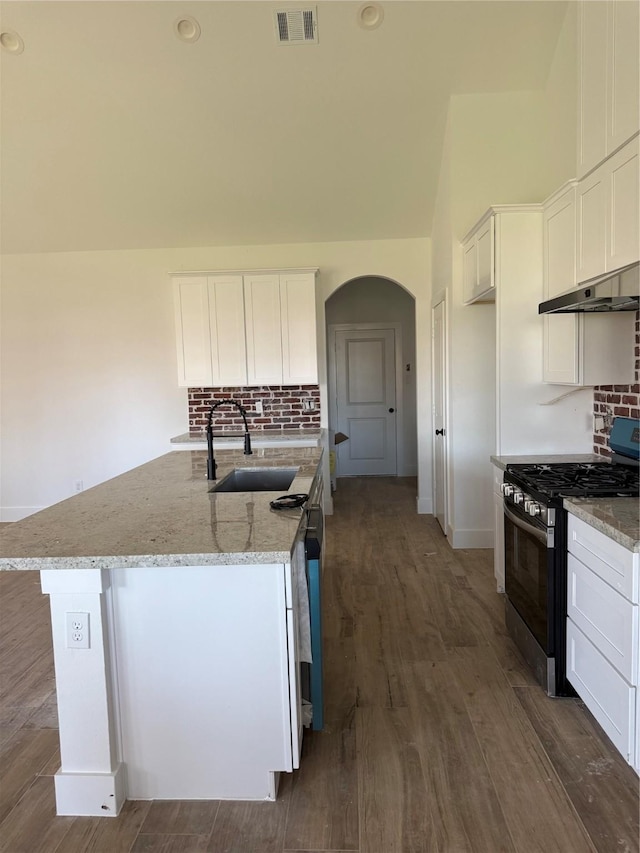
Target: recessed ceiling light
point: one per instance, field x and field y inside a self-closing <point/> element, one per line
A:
<point x="11" y="42"/>
<point x="370" y="16"/>
<point x="187" y="28"/>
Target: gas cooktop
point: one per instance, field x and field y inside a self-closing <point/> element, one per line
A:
<point x="577" y="479"/>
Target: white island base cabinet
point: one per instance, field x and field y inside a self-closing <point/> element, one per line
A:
<point x="189" y="689"/>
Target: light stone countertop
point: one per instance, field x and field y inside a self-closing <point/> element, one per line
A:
<point x="544" y="458"/>
<point x="162" y="514"/>
<point x="618" y="518"/>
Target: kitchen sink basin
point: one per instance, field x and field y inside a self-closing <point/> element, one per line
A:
<point x="256" y="480"/>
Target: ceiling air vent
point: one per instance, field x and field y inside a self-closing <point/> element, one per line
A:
<point x="297" y="26"/>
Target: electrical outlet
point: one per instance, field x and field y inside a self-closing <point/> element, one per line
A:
<point x="78" y="486"/>
<point x="77" y="626"/>
<point x="259" y="407"/>
<point x="308" y="404"/>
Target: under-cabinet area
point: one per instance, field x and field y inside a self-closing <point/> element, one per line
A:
<point x="246" y="328"/>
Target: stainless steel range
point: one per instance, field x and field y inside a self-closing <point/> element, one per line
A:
<point x="535" y="546"/>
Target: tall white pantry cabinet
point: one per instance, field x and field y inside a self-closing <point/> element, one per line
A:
<point x="246" y="328"/>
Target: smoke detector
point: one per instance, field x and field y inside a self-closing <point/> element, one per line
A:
<point x="297" y="26"/>
<point x="370" y="16"/>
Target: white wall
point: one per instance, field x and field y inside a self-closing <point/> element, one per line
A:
<point x="376" y="300"/>
<point x="88" y="370"/>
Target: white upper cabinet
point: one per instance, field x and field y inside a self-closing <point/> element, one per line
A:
<point x="210" y="330"/>
<point x="298" y="317"/>
<point x="478" y="262"/>
<point x="560" y="332"/>
<point x="246" y="328"/>
<point x="281" y="329"/>
<point x="608" y="224"/>
<point x="580" y="349"/>
<point x="226" y="321"/>
<point x="264" y="341"/>
<point x="608" y="94"/>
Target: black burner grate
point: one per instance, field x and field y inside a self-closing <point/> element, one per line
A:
<point x="579" y="479"/>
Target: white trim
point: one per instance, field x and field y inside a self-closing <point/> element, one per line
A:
<point x="501" y="208"/>
<point x="424" y="506"/>
<point x="285" y="270"/>
<point x="446" y="418"/>
<point x="332" y="378"/>
<point x="17" y="513"/>
<point x="90" y="794"/>
<point x="470" y="538"/>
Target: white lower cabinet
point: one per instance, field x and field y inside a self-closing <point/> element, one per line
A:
<point x="213" y="711"/>
<point x="610" y="698"/>
<point x="603" y="639"/>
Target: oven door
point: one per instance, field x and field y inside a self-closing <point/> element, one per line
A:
<point x="530" y="574"/>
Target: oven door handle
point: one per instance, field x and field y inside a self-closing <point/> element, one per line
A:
<point x="547" y="538"/>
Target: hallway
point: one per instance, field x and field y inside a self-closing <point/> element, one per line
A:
<point x="436" y="737"/>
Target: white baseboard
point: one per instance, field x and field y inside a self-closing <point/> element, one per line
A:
<point x="470" y="538"/>
<point x="424" y="506"/>
<point x="17" y="513"/>
<point x="90" y="794"/>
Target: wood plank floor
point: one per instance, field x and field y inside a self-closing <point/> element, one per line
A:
<point x="436" y="738"/>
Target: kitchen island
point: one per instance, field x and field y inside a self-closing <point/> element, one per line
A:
<point x="176" y="630"/>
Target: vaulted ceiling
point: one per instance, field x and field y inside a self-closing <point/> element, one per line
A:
<point x="117" y="134"/>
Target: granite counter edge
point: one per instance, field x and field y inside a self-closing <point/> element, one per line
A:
<point x="144" y="561"/>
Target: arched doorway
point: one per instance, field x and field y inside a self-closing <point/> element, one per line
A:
<point x="371" y="377"/>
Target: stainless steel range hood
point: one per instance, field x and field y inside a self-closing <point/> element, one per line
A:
<point x="618" y="290"/>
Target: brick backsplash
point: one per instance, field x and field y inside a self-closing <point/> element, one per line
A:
<point x="283" y="408"/>
<point x="612" y="400"/>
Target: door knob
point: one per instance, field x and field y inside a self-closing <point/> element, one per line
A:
<point x="392" y="410"/>
<point x="439" y="432"/>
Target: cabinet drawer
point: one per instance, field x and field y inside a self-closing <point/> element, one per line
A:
<point x="605" y="617"/>
<point x="611" y="700"/>
<point x="607" y="558"/>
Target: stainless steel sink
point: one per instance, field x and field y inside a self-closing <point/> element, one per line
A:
<point x="256" y="480"/>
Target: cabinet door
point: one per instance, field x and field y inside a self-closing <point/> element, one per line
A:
<point x="592" y="86"/>
<point x="263" y="328"/>
<point x="470" y="269"/>
<point x="623" y="231"/>
<point x="592" y="224"/>
<point x="624" y="47"/>
<point x="226" y="322"/>
<point x="298" y="320"/>
<point x="560" y="332"/>
<point x="193" y="333"/>
<point x="609" y="697"/>
<point x="485" y="259"/>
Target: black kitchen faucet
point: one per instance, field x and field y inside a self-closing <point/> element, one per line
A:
<point x="211" y="462"/>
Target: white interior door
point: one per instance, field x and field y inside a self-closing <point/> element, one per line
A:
<point x="439" y="438"/>
<point x="366" y="402"/>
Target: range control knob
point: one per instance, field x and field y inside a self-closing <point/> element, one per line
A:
<point x="534" y="508"/>
<point x="518" y="496"/>
<point x="506" y="489"/>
